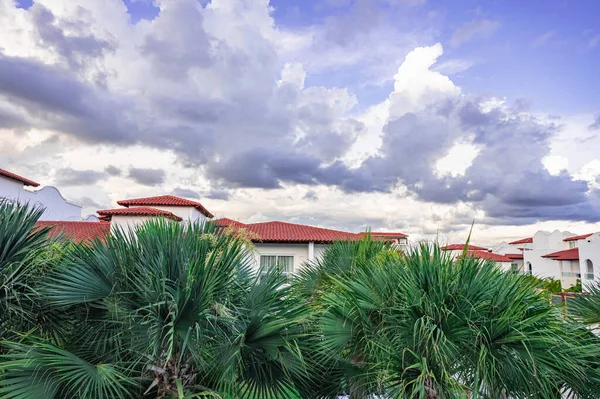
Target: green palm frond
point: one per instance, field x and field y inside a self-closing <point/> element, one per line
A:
<point x="40" y="370"/>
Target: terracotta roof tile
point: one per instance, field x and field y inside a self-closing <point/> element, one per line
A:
<point x="490" y="256"/>
<point x="386" y="234"/>
<point x="460" y="247"/>
<point x="291" y="232"/>
<point x="569" y="254"/>
<point x="581" y="237"/>
<point x="165" y="200"/>
<point x="18" y="178"/>
<point x="527" y="240"/>
<point x="77" y="231"/>
<point x="138" y="211"/>
<point x="226" y="222"/>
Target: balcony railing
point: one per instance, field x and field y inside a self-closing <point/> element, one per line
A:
<point x="589" y="276"/>
<point x="571" y="274"/>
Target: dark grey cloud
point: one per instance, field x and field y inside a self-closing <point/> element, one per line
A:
<point x="72" y="177"/>
<point x="87" y="201"/>
<point x="186" y="193"/>
<point x="53" y="98"/>
<point x="219" y="195"/>
<point x="147" y="177"/>
<point x="75" y="49"/>
<point x="311" y="195"/>
<point x="113" y="170"/>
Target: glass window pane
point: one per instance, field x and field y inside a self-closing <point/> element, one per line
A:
<point x="286" y="263"/>
<point x="268" y="261"/>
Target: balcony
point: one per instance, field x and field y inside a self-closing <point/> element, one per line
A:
<point x="589" y="276"/>
<point x="571" y="274"/>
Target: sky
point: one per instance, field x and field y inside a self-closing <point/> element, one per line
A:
<point x="419" y="116"/>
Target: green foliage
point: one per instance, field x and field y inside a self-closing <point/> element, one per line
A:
<point x="428" y="326"/>
<point x="575" y="287"/>
<point x="162" y="309"/>
<point x="176" y="311"/>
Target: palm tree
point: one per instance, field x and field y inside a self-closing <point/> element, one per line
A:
<point x="166" y="310"/>
<point x="24" y="249"/>
<point x="428" y="326"/>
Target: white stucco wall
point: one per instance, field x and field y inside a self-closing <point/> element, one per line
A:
<point x="589" y="249"/>
<point x="187" y="213"/>
<point x="544" y="243"/>
<point x="56" y="206"/>
<point x="127" y="222"/>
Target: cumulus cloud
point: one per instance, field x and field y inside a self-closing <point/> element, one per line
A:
<point x="147" y="176"/>
<point x="72" y="177"/>
<point x="215" y="87"/>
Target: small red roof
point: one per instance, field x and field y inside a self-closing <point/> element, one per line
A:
<point x="514" y="256"/>
<point x="489" y="256"/>
<point x="569" y="254"/>
<point x="18" y="178"/>
<point x="527" y="240"/>
<point x="77" y="231"/>
<point x="575" y="238"/>
<point x="460" y="247"/>
<point x="138" y="211"/>
<point x="165" y="200"/>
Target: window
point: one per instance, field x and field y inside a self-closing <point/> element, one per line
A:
<point x="514" y="267"/>
<point x="589" y="272"/>
<point x="284" y="262"/>
<point x="529" y="268"/>
<point x="572" y="244"/>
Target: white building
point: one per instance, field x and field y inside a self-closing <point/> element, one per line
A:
<point x="560" y="255"/>
<point x="291" y="245"/>
<point x="503" y="262"/>
<point x="17" y="188"/>
<point x="137" y="211"/>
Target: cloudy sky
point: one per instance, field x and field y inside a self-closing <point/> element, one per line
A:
<point x="406" y="115"/>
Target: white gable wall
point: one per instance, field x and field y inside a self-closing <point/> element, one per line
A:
<point x="187" y="213"/>
<point x="56" y="206"/>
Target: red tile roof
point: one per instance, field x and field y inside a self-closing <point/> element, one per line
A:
<point x="569" y="254"/>
<point x="18" y="178"/>
<point x="527" y="240"/>
<point x="387" y="235"/>
<point x="460" y="247"/>
<point x="288" y="232"/>
<point x="77" y="231"/>
<point x="138" y="211"/>
<point x="291" y="232"/>
<point x="514" y="256"/>
<point x="489" y="256"/>
<point x="226" y="222"/>
<point x="165" y="200"/>
<point x="575" y="238"/>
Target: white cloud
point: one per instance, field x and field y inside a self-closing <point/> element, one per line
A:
<point x="555" y="164"/>
<point x="219" y="98"/>
<point x="473" y="30"/>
